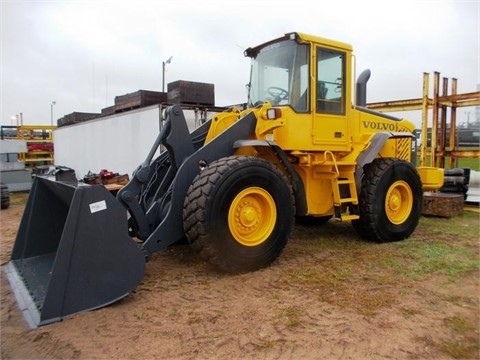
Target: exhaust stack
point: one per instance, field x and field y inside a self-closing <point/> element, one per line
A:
<point x="362" y="80"/>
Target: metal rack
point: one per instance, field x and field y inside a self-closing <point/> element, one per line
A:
<point x="443" y="143"/>
<point x="39" y="140"/>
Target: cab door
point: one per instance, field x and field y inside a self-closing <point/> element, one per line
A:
<point x="330" y="127"/>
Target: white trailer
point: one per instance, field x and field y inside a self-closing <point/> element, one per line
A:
<point x="118" y="142"/>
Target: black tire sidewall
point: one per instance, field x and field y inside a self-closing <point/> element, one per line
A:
<point x="374" y="223"/>
<point x="252" y="173"/>
<point x="398" y="172"/>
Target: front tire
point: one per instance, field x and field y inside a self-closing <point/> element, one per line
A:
<point x="390" y="201"/>
<point x="238" y="213"/>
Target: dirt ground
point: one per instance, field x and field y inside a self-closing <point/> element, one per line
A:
<point x="184" y="309"/>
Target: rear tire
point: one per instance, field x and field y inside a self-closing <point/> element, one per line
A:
<point x="390" y="201"/>
<point x="239" y="213"/>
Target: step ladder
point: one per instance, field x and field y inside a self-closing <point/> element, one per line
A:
<point x="340" y="180"/>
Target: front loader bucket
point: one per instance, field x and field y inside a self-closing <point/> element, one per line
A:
<point x="72" y="252"/>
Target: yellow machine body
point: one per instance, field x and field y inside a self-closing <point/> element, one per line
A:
<point x="326" y="138"/>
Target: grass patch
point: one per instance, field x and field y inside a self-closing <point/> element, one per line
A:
<point x="460" y="350"/>
<point x="290" y="315"/>
<point x="449" y="229"/>
<point x="348" y="272"/>
<point x="428" y="259"/>
<point x="18" y="198"/>
<point x="141" y="315"/>
<point x="464" y="340"/>
<point x="459" y="325"/>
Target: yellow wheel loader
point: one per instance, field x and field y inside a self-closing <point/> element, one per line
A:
<point x="300" y="149"/>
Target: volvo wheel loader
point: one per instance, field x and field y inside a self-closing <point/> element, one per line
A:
<point x="300" y="150"/>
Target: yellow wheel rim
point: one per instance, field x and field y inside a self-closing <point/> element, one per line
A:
<point x="399" y="202"/>
<point x="252" y="216"/>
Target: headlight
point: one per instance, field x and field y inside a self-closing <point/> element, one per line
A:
<point x="274" y="113"/>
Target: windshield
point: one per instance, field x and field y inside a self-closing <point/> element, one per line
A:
<point x="280" y="75"/>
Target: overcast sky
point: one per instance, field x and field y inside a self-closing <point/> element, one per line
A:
<point x="81" y="54"/>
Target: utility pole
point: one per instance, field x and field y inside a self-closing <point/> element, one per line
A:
<point x="169" y="60"/>
<point x="51" y="112"/>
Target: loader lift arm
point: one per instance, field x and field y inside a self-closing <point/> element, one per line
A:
<point x="154" y="197"/>
<point x="175" y="137"/>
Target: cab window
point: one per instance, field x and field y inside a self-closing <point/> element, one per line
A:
<point x="280" y="74"/>
<point x="330" y="89"/>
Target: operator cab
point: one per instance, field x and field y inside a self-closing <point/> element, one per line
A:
<point x="280" y="74"/>
<point x="310" y="76"/>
